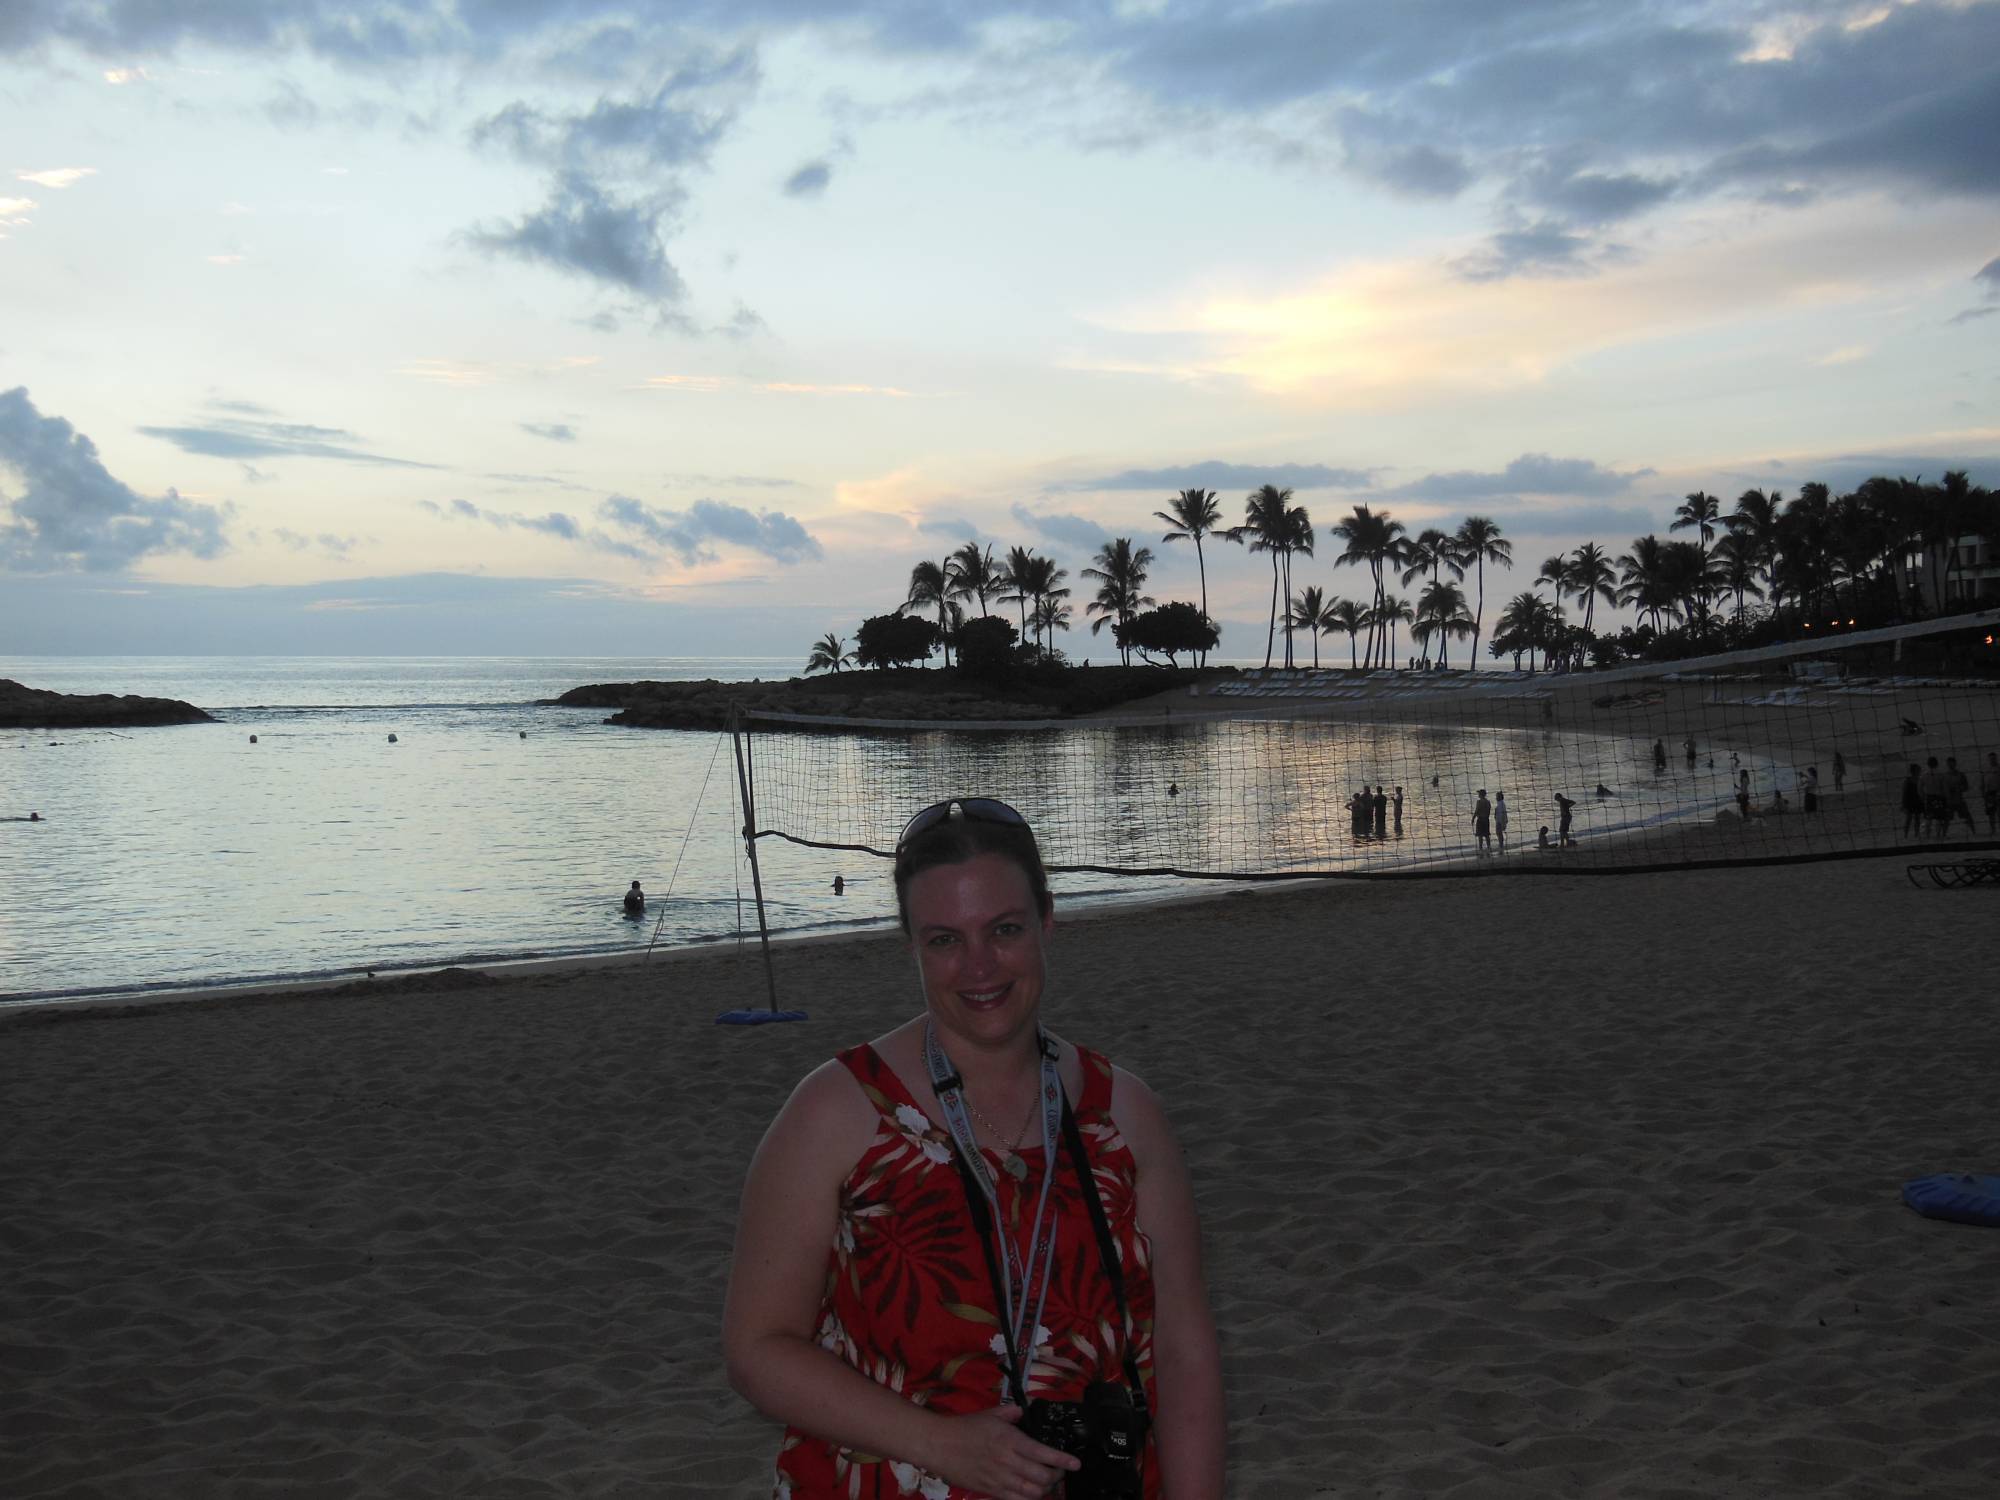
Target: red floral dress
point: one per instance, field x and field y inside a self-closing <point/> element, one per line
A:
<point x="908" y="1301"/>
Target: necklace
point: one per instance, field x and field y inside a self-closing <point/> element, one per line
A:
<point x="1010" y="1157"/>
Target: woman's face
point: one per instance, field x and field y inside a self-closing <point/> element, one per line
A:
<point x="978" y="936"/>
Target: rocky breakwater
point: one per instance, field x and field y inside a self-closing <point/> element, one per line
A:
<point x="706" y="704"/>
<point x="36" y="708"/>
<point x="905" y="695"/>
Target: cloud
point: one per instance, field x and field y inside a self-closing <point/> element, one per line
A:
<point x="57" y="177"/>
<point x="555" y="432"/>
<point x="1214" y="474"/>
<point x="693" y="534"/>
<point x="1542" y="248"/>
<point x="1990" y="274"/>
<point x="1530" y="474"/>
<point x="555" y="523"/>
<point x="1579" y="520"/>
<point x="326" y="542"/>
<point x="583" y="231"/>
<point x="1059" y="526"/>
<point x="669" y="127"/>
<point x="949" y="526"/>
<point x="72" y="514"/>
<point x="243" y="438"/>
<point x="810" y="180"/>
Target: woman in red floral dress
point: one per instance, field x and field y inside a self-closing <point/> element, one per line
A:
<point x="867" y="1310"/>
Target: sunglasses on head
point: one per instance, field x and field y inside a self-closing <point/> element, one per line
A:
<point x="975" y="809"/>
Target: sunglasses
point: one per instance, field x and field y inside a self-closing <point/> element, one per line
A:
<point x="975" y="809"/>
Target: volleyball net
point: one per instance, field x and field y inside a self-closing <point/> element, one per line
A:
<point x="1864" y="743"/>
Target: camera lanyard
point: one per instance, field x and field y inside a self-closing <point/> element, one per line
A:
<point x="1019" y="1320"/>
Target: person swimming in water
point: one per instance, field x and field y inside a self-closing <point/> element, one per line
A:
<point x="635" y="900"/>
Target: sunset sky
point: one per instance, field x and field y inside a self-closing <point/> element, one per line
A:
<point x="488" y="326"/>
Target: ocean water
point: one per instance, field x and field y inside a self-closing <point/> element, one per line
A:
<point x="496" y="827"/>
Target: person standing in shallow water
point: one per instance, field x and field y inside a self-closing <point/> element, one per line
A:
<point x="1379" y="804"/>
<point x="1396" y="803"/>
<point x="1568" y="810"/>
<point x="1913" y="801"/>
<point x="1500" y="820"/>
<point x="1482" y="823"/>
<point x="1659" y="756"/>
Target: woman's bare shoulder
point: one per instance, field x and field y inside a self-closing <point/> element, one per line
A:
<point x="828" y="1120"/>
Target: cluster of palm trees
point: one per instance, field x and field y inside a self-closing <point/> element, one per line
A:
<point x="1889" y="546"/>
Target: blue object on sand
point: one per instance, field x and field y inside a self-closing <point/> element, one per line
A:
<point x="1962" y="1197"/>
<point x="757" y="1017"/>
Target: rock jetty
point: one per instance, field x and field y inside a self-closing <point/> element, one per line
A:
<point x="36" y="708"/>
<point x="902" y="696"/>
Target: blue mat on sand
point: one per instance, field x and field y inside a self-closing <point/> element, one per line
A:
<point x="757" y="1017"/>
<point x="1962" y="1197"/>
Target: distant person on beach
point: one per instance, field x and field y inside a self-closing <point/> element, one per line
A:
<point x="635" y="900"/>
<point x="1957" y="795"/>
<point x="1937" y="807"/>
<point x="1989" y="788"/>
<point x="1688" y="743"/>
<point x="1659" y="756"/>
<point x="1743" y="795"/>
<point x="1911" y="726"/>
<point x="1500" y="820"/>
<point x="1568" y="810"/>
<point x="1809" y="789"/>
<point x="1542" y="842"/>
<point x="1605" y="791"/>
<point x="1396" y="803"/>
<point x="1839" y="770"/>
<point x="840" y="885"/>
<point x="1482" y="823"/>
<point x="1913" y="802"/>
<point x="1379" y="805"/>
<point x="1173" y="789"/>
<point x="1779" y="807"/>
<point x="939" y="1159"/>
<point x="1735" y="760"/>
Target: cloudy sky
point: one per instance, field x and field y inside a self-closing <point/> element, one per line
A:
<point x="486" y="325"/>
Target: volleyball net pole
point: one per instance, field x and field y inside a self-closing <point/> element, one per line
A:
<point x="743" y="782"/>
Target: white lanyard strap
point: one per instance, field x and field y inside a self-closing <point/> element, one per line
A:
<point x="949" y="1089"/>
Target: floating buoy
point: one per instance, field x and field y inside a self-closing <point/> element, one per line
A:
<point x="392" y="739"/>
<point x="253" y="739"/>
<point x="524" y="734"/>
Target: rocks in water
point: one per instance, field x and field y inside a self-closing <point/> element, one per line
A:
<point x="36" y="708"/>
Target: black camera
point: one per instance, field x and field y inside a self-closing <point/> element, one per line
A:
<point x="1106" y="1429"/>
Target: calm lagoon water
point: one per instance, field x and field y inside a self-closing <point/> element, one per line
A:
<point x="496" y="827"/>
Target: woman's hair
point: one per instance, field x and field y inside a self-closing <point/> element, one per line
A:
<point x="958" y="839"/>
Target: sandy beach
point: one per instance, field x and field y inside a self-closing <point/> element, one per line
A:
<point x="1571" y="1186"/>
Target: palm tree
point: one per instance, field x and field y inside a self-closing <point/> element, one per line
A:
<point x="1051" y="615"/>
<point x="930" y="588"/>
<point x="1700" y="511"/>
<point x="1735" y="555"/>
<point x="1308" y="613"/>
<point x="1385" y="617"/>
<point x="829" y="654"/>
<point x="1376" y="540"/>
<point x="1043" y="582"/>
<point x="1755" y="519"/>
<point x="1589" y="576"/>
<point x="974" y="573"/>
<point x="1298" y="537"/>
<point x="1265" y="520"/>
<point x="1643" y="578"/>
<point x="1479" y="542"/>
<point x="1345" y="615"/>
<point x="1193" y="514"/>
<point x="1441" y="612"/>
<point x="1519" y="628"/>
<point x="1013" y="577"/>
<point x="1555" y="572"/>
<point x="1120" y="572"/>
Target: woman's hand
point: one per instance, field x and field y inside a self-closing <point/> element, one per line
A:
<point x="987" y="1453"/>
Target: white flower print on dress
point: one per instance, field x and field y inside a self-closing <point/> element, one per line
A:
<point x="921" y="1133"/>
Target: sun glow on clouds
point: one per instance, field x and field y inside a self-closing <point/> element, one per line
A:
<point x="57" y="177"/>
<point x="1383" y="334"/>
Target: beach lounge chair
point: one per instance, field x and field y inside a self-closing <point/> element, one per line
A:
<point x="1957" y="876"/>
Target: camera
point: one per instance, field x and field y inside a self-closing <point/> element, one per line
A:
<point x="1106" y="1429"/>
